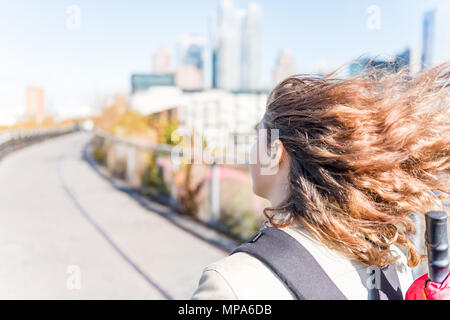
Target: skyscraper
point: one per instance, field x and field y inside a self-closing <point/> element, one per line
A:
<point x="226" y="47"/>
<point x="190" y="51"/>
<point x="366" y="65"/>
<point x="161" y="62"/>
<point x="428" y="38"/>
<point x="250" y="61"/>
<point x="436" y="36"/>
<point x="236" y="47"/>
<point x="35" y="108"/>
<point x="189" y="77"/>
<point x="285" y="66"/>
<point x="189" y="73"/>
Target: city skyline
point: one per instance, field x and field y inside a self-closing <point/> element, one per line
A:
<point x="79" y="67"/>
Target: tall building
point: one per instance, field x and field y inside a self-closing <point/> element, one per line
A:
<point x="226" y="47"/>
<point x="162" y="75"/>
<point x="364" y="65"/>
<point x="236" y="47"/>
<point x="189" y="75"/>
<point x="415" y="61"/>
<point x="144" y="81"/>
<point x="250" y="59"/>
<point x="285" y="66"/>
<point x="161" y="62"/>
<point x="190" y="50"/>
<point x="436" y="36"/>
<point x="427" y="40"/>
<point x="35" y="104"/>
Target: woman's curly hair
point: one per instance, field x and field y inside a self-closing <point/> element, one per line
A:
<point x="365" y="153"/>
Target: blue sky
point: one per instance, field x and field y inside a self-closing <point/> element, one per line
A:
<point x="77" y="68"/>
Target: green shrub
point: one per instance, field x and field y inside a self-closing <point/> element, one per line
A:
<point x="99" y="155"/>
<point x="188" y="197"/>
<point x="243" y="225"/>
<point x="153" y="178"/>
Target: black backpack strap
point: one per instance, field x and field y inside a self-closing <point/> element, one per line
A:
<point x="293" y="264"/>
<point x="302" y="274"/>
<point x="389" y="284"/>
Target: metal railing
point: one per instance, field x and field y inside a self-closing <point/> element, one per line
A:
<point x="222" y="192"/>
<point x="17" y="138"/>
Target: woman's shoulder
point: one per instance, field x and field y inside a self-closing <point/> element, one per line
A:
<point x="240" y="276"/>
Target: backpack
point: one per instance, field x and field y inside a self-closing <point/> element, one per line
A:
<point x="302" y="274"/>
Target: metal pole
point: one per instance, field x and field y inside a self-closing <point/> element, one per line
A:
<point x="215" y="193"/>
<point x="437" y="244"/>
<point x="131" y="164"/>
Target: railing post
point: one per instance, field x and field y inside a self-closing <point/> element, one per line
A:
<point x="131" y="165"/>
<point x="215" y="193"/>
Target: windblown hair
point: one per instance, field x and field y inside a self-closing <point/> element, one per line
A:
<point x="365" y="153"/>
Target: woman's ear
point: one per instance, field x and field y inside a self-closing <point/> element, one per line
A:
<point x="277" y="154"/>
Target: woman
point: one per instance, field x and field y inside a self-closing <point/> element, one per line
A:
<point x="351" y="161"/>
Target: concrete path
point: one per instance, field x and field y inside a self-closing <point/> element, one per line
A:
<point x="67" y="233"/>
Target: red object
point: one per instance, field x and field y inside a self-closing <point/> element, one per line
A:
<point x="421" y="289"/>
